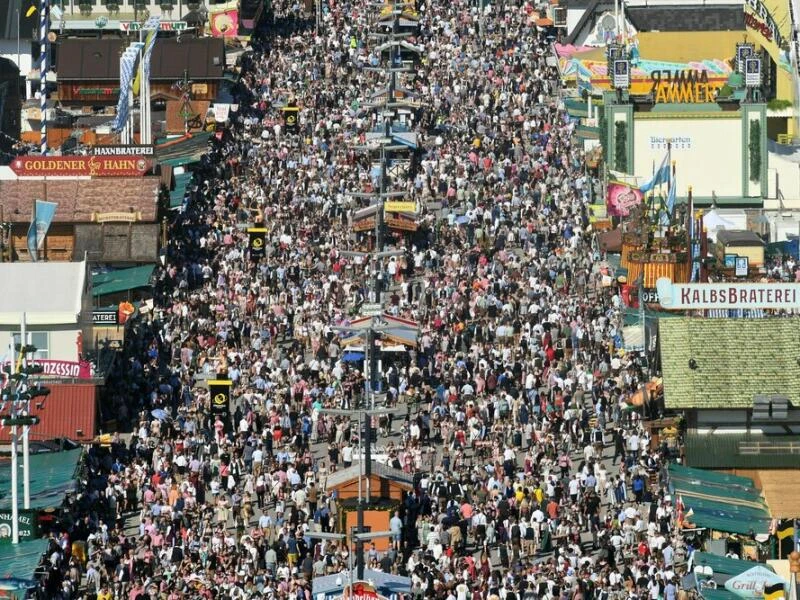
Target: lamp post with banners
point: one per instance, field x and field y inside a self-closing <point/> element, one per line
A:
<point x="15" y="398"/>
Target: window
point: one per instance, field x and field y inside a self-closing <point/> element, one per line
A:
<point x="40" y="339"/>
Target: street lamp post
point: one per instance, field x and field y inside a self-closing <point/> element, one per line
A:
<point x="16" y="395"/>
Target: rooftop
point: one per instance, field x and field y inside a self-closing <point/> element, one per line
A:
<point x="739" y="237"/>
<point x="78" y="199"/>
<point x="98" y="59"/>
<point x="735" y="360"/>
<point x="49" y="293"/>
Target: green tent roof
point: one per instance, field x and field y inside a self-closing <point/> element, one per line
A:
<point x="19" y="562"/>
<point x="121" y="280"/>
<point x="183" y="151"/>
<point x="181" y="183"/>
<point x="736" y="359"/>
<point x="576" y="107"/>
<point x="52" y="476"/>
<point x="720" y="593"/>
<point x="719" y="501"/>
<point x="723" y="565"/>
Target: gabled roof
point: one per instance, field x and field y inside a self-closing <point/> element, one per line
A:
<point x="733" y="237"/>
<point x="78" y="199"/>
<point x="354" y="471"/>
<point x="735" y="359"/>
<point x="97" y="60"/>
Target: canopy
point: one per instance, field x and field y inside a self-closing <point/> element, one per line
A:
<point x="184" y="150"/>
<point x="19" y="564"/>
<point x="121" y="280"/>
<point x="176" y="196"/>
<point x="720" y="502"/>
<point x="722" y="565"/>
<point x="52" y="476"/>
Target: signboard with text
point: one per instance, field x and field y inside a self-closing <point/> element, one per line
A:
<point x="122" y="150"/>
<point x="67" y="369"/>
<point x="752" y="582"/>
<point x="80" y="166"/>
<point x="395" y="206"/>
<point x="682" y="86"/>
<point x="105" y="317"/>
<point x="127" y="26"/>
<point x="26" y="523"/>
<point x="699" y="296"/>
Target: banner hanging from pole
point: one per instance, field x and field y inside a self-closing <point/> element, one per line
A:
<point x="40" y="224"/>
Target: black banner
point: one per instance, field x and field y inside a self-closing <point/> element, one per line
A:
<point x="257" y="243"/>
<point x="290" y="115"/>
<point x="220" y="390"/>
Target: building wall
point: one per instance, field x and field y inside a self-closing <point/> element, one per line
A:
<point x="117" y="242"/>
<point x="755" y="254"/>
<point x="707" y="153"/>
<point x="62" y="342"/>
<point x="375" y="520"/>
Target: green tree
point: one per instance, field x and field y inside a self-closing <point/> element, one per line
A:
<point x="620" y="146"/>
<point x="755" y="150"/>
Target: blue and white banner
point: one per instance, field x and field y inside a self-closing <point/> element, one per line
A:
<point x="152" y="25"/>
<point x="661" y="176"/>
<point x="666" y="214"/>
<point x="40" y="224"/>
<point x="127" y="66"/>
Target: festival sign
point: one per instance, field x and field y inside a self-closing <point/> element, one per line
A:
<point x="758" y="18"/>
<point x="361" y="590"/>
<point x="395" y="206"/>
<point x="123" y="150"/>
<point x="220" y="390"/>
<point x="752" y="582"/>
<point x="65" y="369"/>
<point x="224" y="24"/>
<point x="682" y="86"/>
<point x="621" y="198"/>
<point x="27" y="525"/>
<point x="128" y="26"/>
<point x="257" y="242"/>
<point x="699" y="296"/>
<point x="80" y="166"/>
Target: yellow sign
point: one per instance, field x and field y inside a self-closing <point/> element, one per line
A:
<point x="681" y="87"/>
<point x="117" y="217"/>
<point x="410" y="207"/>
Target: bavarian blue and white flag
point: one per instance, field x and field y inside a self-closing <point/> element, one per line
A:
<point x="127" y="65"/>
<point x="152" y="26"/>
<point x="661" y="176"/>
<point x="666" y="214"/>
<point x="40" y="224"/>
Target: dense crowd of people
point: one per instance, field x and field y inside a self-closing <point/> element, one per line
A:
<point x="533" y="478"/>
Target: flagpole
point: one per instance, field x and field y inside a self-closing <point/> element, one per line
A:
<point x="36" y="229"/>
<point x="43" y="10"/>
<point x="689" y="231"/>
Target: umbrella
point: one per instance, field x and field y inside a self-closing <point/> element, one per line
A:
<point x="160" y="414"/>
